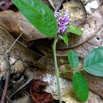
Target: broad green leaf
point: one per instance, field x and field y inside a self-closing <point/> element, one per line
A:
<point x="74" y="30"/>
<point x="73" y="59"/>
<point x="80" y="86"/>
<point x="93" y="62"/>
<point x="39" y="15"/>
<point x="65" y="39"/>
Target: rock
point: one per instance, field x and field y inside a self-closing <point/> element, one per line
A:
<point x="18" y="67"/>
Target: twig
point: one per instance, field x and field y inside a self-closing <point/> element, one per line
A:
<point x="8" y="69"/>
<point x="13" y="44"/>
<point x="27" y="82"/>
<point x="8" y="100"/>
<point x="7" y="80"/>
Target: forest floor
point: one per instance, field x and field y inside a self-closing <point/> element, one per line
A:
<point x="26" y="63"/>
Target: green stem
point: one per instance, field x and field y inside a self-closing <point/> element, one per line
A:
<point x="56" y="68"/>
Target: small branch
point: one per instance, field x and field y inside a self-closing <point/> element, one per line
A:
<point x="26" y="83"/>
<point x="56" y="68"/>
<point x="13" y="44"/>
<point x="7" y="80"/>
<point x="8" y="100"/>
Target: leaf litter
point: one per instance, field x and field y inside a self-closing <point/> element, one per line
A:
<point x="92" y="23"/>
<point x="5" y="4"/>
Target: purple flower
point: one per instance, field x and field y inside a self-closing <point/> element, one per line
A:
<point x="62" y="17"/>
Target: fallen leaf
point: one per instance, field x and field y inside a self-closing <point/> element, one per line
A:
<point x="95" y="83"/>
<point x="56" y="4"/>
<point x="92" y="36"/>
<point x="47" y="63"/>
<point x="37" y="94"/>
<point x="101" y="1"/>
<point x="47" y="3"/>
<point x="18" y="51"/>
<point x="5" y="4"/>
<point x="9" y="19"/>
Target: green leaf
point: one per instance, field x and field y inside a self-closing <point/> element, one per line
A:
<point x="65" y="39"/>
<point x="80" y="86"/>
<point x="73" y="59"/>
<point x="39" y="15"/>
<point x="93" y="63"/>
<point x="75" y="30"/>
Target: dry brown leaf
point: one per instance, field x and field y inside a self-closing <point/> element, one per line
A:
<point x="5" y="4"/>
<point x="56" y="4"/>
<point x="15" y="23"/>
<point x="47" y="3"/>
<point x="92" y="37"/>
<point x="91" y="26"/>
<point x="18" y="51"/>
<point x="94" y="42"/>
<point x="47" y="63"/>
<point x="101" y="1"/>
<point x="37" y="94"/>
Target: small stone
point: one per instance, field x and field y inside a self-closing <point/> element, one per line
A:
<point x="18" y="67"/>
<point x="12" y="60"/>
<point x="92" y="5"/>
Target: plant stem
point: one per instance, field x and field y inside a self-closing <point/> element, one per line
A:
<point x="56" y="68"/>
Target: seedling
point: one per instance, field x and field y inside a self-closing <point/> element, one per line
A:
<point x="55" y="26"/>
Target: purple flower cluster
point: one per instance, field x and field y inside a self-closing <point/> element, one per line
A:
<point x="62" y="17"/>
